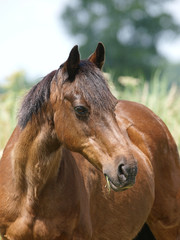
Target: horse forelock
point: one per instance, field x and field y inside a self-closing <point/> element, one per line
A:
<point x="95" y="90"/>
<point x="34" y="100"/>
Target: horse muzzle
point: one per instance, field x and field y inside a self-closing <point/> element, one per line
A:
<point x="124" y="177"/>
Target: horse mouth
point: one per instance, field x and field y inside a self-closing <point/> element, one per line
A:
<point x="120" y="188"/>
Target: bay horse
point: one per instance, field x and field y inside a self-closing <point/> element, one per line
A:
<point x="75" y="141"/>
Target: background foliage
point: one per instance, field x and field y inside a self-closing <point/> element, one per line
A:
<point x="131" y="30"/>
<point x="10" y="95"/>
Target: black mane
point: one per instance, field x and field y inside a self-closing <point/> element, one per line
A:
<point x="34" y="100"/>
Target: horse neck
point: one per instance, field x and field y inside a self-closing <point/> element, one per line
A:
<point x="36" y="158"/>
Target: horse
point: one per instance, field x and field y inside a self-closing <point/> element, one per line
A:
<point x="82" y="165"/>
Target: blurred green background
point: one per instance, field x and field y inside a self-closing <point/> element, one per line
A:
<point x="133" y="32"/>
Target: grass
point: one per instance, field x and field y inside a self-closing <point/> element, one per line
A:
<point x="11" y="93"/>
<point x="9" y="103"/>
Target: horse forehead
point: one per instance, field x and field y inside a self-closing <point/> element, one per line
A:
<point x="72" y="93"/>
<point x="90" y="87"/>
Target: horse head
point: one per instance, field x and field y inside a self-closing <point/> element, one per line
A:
<point x="85" y="121"/>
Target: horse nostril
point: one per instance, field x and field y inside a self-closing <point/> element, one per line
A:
<point x="122" y="170"/>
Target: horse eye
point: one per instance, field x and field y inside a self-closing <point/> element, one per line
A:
<point x="81" y="111"/>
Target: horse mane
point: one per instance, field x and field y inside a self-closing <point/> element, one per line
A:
<point x="35" y="98"/>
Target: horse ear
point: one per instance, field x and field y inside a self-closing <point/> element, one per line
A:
<point x="72" y="62"/>
<point x="98" y="57"/>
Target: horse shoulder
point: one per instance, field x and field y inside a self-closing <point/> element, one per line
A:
<point x="151" y="136"/>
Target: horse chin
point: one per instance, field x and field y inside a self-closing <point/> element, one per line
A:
<point x="124" y="186"/>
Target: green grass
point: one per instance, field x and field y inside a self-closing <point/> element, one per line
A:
<point x="10" y="95"/>
<point x="9" y="103"/>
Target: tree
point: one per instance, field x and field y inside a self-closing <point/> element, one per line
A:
<point x="129" y="29"/>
